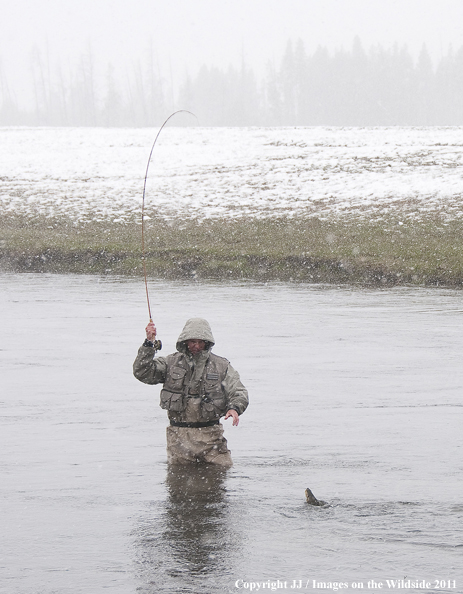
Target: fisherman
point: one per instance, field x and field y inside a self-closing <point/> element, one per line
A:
<point x="199" y="388"/>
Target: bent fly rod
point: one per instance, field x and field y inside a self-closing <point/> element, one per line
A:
<point x="157" y="343"/>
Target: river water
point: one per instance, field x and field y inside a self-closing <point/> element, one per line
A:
<point x="354" y="393"/>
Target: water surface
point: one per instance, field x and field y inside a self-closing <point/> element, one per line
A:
<point x="354" y="393"/>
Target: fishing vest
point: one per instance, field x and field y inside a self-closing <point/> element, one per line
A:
<point x="214" y="401"/>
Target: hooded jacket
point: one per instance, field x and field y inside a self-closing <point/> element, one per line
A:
<point x="197" y="388"/>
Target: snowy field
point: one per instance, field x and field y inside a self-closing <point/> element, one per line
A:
<point x="94" y="174"/>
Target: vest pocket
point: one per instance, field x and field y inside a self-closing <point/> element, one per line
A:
<point x="211" y="387"/>
<point x="172" y="401"/>
<point x="213" y="406"/>
<point x="176" y="377"/>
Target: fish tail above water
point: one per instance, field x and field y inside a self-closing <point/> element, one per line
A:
<point x="311" y="499"/>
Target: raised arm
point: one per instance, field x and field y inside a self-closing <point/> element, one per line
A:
<point x="146" y="367"/>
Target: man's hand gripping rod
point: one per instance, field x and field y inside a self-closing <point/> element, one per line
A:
<point x="151" y="336"/>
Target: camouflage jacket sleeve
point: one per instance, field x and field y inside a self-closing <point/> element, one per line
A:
<point x="236" y="392"/>
<point x="147" y="368"/>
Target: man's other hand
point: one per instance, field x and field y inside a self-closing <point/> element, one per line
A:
<point x="232" y="413"/>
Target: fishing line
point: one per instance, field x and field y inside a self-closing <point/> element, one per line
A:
<point x="143" y="207"/>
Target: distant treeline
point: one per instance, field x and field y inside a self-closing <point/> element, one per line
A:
<point x="378" y="87"/>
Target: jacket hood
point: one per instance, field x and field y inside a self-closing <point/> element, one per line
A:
<point x="195" y="328"/>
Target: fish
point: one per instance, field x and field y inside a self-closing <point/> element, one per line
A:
<point x="312" y="500"/>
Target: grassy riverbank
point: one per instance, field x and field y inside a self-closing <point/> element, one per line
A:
<point x="357" y="251"/>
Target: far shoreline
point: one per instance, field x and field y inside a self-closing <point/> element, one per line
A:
<point x="349" y="251"/>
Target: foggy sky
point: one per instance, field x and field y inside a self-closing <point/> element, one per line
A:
<point x="184" y="34"/>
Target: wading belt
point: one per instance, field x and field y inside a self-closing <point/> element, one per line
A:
<point x="194" y="425"/>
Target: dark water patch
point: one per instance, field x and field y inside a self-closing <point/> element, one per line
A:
<point x="190" y="536"/>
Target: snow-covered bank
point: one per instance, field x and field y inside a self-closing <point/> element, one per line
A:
<point x="88" y="174"/>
